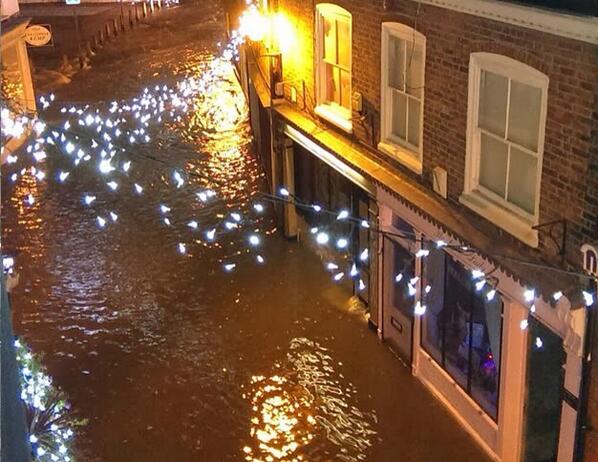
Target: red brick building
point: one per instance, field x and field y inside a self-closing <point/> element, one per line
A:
<point x="468" y="131"/>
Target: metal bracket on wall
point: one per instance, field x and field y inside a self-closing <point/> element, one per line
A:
<point x="549" y="228"/>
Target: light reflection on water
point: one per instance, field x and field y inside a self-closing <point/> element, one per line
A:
<point x="305" y="406"/>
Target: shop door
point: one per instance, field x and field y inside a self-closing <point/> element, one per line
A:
<point x="397" y="303"/>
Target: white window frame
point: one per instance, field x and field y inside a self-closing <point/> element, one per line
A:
<point x="407" y="154"/>
<point x="496" y="209"/>
<point x="335" y="114"/>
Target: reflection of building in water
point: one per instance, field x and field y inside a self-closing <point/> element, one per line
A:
<point x="17" y="87"/>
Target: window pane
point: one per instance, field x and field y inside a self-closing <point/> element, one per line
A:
<point x="485" y="349"/>
<point x="522" y="180"/>
<point x="433" y="268"/>
<point x="399" y="116"/>
<point x="332" y="84"/>
<point x="457" y="314"/>
<point x="493" y="102"/>
<point x="345" y="89"/>
<point x="413" y="65"/>
<point x="524" y="114"/>
<point x="493" y="164"/>
<point x="344" y="44"/>
<point x="414" y="114"/>
<point x="396" y="67"/>
<point x="329" y="40"/>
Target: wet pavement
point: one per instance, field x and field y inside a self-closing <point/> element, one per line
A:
<point x="171" y="358"/>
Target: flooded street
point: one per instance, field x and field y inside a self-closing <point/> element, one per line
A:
<point x="169" y="357"/>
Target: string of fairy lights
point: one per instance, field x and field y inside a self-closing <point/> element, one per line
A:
<point x="109" y="137"/>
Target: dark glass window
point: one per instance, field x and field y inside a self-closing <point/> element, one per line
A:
<point x="462" y="330"/>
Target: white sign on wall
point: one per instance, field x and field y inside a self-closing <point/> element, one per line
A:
<point x="38" y="35"/>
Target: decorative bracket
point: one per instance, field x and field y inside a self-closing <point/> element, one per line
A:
<point x="549" y="228"/>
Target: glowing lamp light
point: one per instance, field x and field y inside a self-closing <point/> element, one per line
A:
<point x="343" y="215"/>
<point x="253" y="24"/>
<point x="399" y="277"/>
<point x="316" y="208"/>
<point x="314" y="230"/>
<point x="361" y="285"/>
<point x="138" y="188"/>
<point x="284" y="192"/>
<point x="412" y="290"/>
<point x="113" y="216"/>
<point x="440" y="244"/>
<point x="164" y="208"/>
<point x="364" y="255"/>
<point x="254" y="240"/>
<point x="338" y="276"/>
<point x="523" y="324"/>
<point x="322" y="238"/>
<point x="365" y="224"/>
<point x="113" y="185"/>
<point x="332" y="266"/>
<point x="480" y="285"/>
<point x="532" y="308"/>
<point x="354" y="271"/>
<point x="477" y="274"/>
<point x="539" y="342"/>
<point x="211" y="234"/>
<point x="166" y="221"/>
<point x="490" y="295"/>
<point x="235" y="216"/>
<point x="230" y="266"/>
<point x="260" y="259"/>
<point x="62" y="176"/>
<point x="105" y="166"/>
<point x="557" y="296"/>
<point x="422" y="253"/>
<point x="428" y="288"/>
<point x="193" y="224"/>
<point x="182" y="248"/>
<point x="101" y="222"/>
<point x="88" y="199"/>
<point x="259" y="208"/>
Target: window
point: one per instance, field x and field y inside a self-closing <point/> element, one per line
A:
<point x="462" y="330"/>
<point x="333" y="67"/>
<point x="507" y="115"/>
<point x="403" y="58"/>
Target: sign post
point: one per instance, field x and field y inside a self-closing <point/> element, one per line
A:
<point x="39" y="35"/>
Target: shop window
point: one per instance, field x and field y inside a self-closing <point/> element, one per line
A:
<point x="462" y="330"/>
<point x="403" y="58"/>
<point x="505" y="142"/>
<point x="333" y="65"/>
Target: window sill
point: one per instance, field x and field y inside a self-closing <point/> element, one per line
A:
<point x="408" y="158"/>
<point x="335" y="117"/>
<point x="515" y="225"/>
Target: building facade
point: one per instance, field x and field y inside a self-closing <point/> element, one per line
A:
<point x="467" y="130"/>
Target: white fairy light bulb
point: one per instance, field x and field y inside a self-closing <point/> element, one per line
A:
<point x="440" y="244"/>
<point x="532" y="308"/>
<point x="164" y="208"/>
<point x="419" y="309"/>
<point x="428" y="288"/>
<point x="490" y="295"/>
<point x="343" y="214"/>
<point x="411" y="289"/>
<point x="284" y="192"/>
<point x="354" y="271"/>
<point x="422" y="253"/>
<point x="557" y="296"/>
<point x="259" y="208"/>
<point x="338" y="276"/>
<point x="588" y="298"/>
<point x="33" y="439"/>
<point x="40" y="175"/>
<point x="127" y="166"/>
<point x="539" y="342"/>
<point x="332" y="266"/>
<point x="138" y="188"/>
<point x="211" y="234"/>
<point x="88" y="199"/>
<point x="62" y="176"/>
<point x="39" y="156"/>
<point x="322" y="238"/>
<point x="13" y="177"/>
<point x="101" y="221"/>
<point x="477" y="274"/>
<point x="202" y="196"/>
<point x="89" y="119"/>
<point x="365" y="224"/>
<point x="229" y="225"/>
<point x="529" y="295"/>
<point x="254" y="240"/>
<point x="259" y="259"/>
<point x="230" y="266"/>
<point x="30" y="199"/>
<point x="314" y="230"/>
<point x="193" y="224"/>
<point x="114" y="216"/>
<point x="11" y="159"/>
<point x="363" y="256"/>
<point x="523" y="324"/>
<point x="316" y="208"/>
<point x="69" y="148"/>
<point x="106" y="166"/>
<point x="342" y="243"/>
<point x="361" y="285"/>
<point x="113" y="185"/>
<point x="236" y="216"/>
<point x="182" y="248"/>
<point x="166" y="221"/>
<point x="399" y="277"/>
<point x="479" y="285"/>
<point x="178" y="178"/>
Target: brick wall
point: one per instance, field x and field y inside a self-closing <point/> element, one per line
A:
<point x="571" y="129"/>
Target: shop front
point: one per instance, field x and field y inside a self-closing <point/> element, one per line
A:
<point x="321" y="182"/>
<point x="509" y="373"/>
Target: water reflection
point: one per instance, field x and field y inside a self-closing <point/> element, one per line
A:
<point x="305" y="406"/>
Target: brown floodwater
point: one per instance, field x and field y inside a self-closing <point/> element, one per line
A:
<point x="169" y="357"/>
